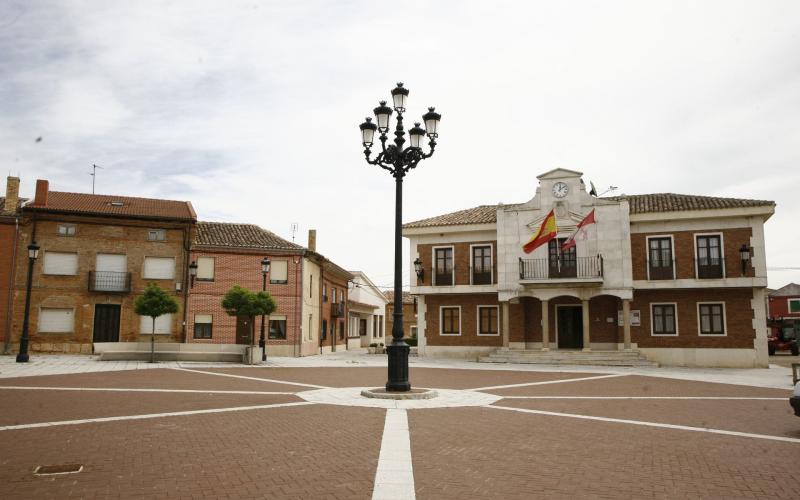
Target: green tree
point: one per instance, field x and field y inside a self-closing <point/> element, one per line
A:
<point x="155" y="302"/>
<point x="240" y="301"/>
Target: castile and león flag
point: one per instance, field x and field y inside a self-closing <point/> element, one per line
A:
<point x="581" y="231"/>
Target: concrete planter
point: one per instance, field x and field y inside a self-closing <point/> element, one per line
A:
<point x="252" y="355"/>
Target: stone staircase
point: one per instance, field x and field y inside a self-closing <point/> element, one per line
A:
<point x="562" y="357"/>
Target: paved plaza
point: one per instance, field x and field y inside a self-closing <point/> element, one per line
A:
<point x="300" y="429"/>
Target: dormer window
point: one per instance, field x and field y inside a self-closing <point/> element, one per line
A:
<point x="117" y="204"/>
<point x="156" y="235"/>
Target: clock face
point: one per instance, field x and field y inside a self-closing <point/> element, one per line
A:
<point x="560" y="190"/>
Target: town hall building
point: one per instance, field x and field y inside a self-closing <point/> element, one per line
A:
<point x="677" y="279"/>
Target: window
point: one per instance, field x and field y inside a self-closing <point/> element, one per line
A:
<point x="58" y="263"/>
<point x="311" y="285"/>
<point x="205" y="269"/>
<point x="333" y="292"/>
<point x="663" y="319"/>
<point x="711" y="318"/>
<point x="202" y="326"/>
<point x="156" y="235"/>
<point x="450" y="320"/>
<point x="310" y="322"/>
<point x="66" y="230"/>
<point x="413" y="330"/>
<point x="488" y="320"/>
<point x="659" y="258"/>
<point x="159" y="268"/>
<point x="443" y="266"/>
<point x="324" y="334"/>
<point x="53" y="320"/>
<point x="709" y="256"/>
<point x="324" y="292"/>
<point x="482" y="265"/>
<point x="111" y="273"/>
<point x="794" y="305"/>
<point x="561" y="263"/>
<point x="341" y="329"/>
<point x="163" y="325"/>
<point x="277" y="327"/>
<point x="279" y="272"/>
<point x="380" y="326"/>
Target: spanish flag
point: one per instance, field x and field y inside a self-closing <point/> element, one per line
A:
<point x="547" y="231"/>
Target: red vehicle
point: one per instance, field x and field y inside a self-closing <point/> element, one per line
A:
<point x="783" y="338"/>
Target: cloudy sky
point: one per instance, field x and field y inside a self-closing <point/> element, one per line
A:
<point x="250" y="109"/>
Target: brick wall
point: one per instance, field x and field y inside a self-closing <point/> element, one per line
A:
<point x="409" y="319"/>
<point x="7" y="231"/>
<point x="684" y="252"/>
<point x="469" y="325"/>
<point x="243" y="268"/>
<point x="339" y="340"/>
<point x="461" y="261"/>
<point x="779" y="307"/>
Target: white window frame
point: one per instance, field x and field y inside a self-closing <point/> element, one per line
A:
<point x="55" y="252"/>
<point x="652" y="319"/>
<point x="144" y="267"/>
<point x="478" y="321"/>
<point x="213" y="268"/>
<point x="724" y="320"/>
<point x="67" y="228"/>
<point x="195" y="322"/>
<point x="674" y="257"/>
<point x="149" y="321"/>
<point x="721" y="253"/>
<point x="413" y="330"/>
<point x="39" y="320"/>
<point x="280" y="282"/>
<point x="452" y="271"/>
<point x="160" y="235"/>
<point x="472" y="260"/>
<point x="441" y="322"/>
<point x="789" y="305"/>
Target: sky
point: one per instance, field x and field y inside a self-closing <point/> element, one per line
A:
<point x="250" y="109"/>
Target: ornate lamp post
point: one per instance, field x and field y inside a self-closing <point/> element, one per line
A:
<point x="262" y="342"/>
<point x="33" y="254"/>
<point x="398" y="160"/>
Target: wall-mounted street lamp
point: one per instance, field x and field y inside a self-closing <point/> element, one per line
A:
<point x="745" y="253"/>
<point x="398" y="160"/>
<point x="262" y="341"/>
<point x="33" y="254"/>
<point x="418" y="269"/>
<point x="192" y="273"/>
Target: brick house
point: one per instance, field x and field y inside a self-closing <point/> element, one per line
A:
<point x="9" y="235"/>
<point x="334" y="310"/>
<point x="679" y="279"/>
<point x="367" y="312"/>
<point x="409" y="314"/>
<point x="98" y="252"/>
<point x="784" y="311"/>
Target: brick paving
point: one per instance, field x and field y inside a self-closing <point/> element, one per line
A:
<point x="328" y="451"/>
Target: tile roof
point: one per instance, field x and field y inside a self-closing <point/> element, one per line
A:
<point x="102" y="204"/>
<point x="228" y="234"/>
<point x="790" y="290"/>
<point x="671" y="202"/>
<point x="639" y="204"/>
<point x="407" y="297"/>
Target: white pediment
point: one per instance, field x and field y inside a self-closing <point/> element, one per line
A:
<point x="559" y="173"/>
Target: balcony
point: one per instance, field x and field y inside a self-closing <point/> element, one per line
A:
<point x="661" y="272"/>
<point x="709" y="268"/>
<point x="443" y="279"/>
<point x="580" y="270"/>
<point x="337" y="309"/>
<point x="481" y="278"/>
<point x="109" y="281"/>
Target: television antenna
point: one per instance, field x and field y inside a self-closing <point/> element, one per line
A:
<point x="94" y="174"/>
<point x="294" y="230"/>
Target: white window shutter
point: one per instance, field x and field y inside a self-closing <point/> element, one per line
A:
<point x="56" y="320"/>
<point x="205" y="268"/>
<point x="279" y="270"/>
<point x="115" y="263"/>
<point x="202" y="318"/>
<point x="159" y="268"/>
<point x="163" y="324"/>
<point x="65" y="264"/>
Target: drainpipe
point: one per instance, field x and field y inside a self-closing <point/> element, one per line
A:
<point x="298" y="267"/>
<point x="11" y="280"/>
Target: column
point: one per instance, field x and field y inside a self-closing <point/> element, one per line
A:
<point x="626" y="323"/>
<point x="586" y="346"/>
<point x="506" y="322"/>
<point x="545" y="325"/>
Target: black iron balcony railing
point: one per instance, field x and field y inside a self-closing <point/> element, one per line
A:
<point x="109" y="281"/>
<point x="337" y="309"/>
<point x="443" y="279"/>
<point x="661" y="272"/>
<point x="481" y="278"/>
<point x="709" y="267"/>
<point x="580" y="267"/>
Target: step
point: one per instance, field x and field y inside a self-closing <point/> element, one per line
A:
<point x="229" y="357"/>
<point x="537" y="356"/>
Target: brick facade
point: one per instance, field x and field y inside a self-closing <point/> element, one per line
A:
<point x="333" y="323"/>
<point x="462" y="257"/>
<point x="7" y="236"/>
<point x="409" y="318"/>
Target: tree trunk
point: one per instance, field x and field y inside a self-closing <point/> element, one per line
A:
<point x="153" y="342"/>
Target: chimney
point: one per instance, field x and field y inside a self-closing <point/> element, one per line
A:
<point x="312" y="240"/>
<point x="42" y="187"/>
<point x="12" y="194"/>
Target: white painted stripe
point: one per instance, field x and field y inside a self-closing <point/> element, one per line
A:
<point x="117" y="389"/>
<point x="149" y="415"/>
<point x="651" y="424"/>
<point x="394" y="478"/>
<point x="547" y="382"/>
<point x="701" y="398"/>
<point x="252" y="378"/>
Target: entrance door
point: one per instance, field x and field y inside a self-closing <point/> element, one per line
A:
<point x="244" y="328"/>
<point x="106" y="323"/>
<point x="570" y="327"/>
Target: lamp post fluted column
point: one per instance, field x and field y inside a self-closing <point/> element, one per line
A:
<point x="398" y="161"/>
<point x="22" y="355"/>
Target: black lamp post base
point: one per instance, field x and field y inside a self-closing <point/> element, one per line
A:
<point x="22" y="358"/>
<point x="398" y="367"/>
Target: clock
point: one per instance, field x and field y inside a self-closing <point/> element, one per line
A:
<point x="560" y="190"/>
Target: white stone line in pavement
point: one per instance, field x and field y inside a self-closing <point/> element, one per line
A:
<point x="546" y="382"/>
<point x="117" y="389"/>
<point x="651" y="424"/>
<point x="252" y="378"/>
<point x="394" y="478"/>
<point x="701" y="398"/>
<point x="148" y="415"/>
<point x="351" y="396"/>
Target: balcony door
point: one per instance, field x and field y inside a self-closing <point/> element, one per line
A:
<point x="709" y="256"/>
<point x="562" y="263"/>
<point x="111" y="272"/>
<point x="443" y="266"/>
